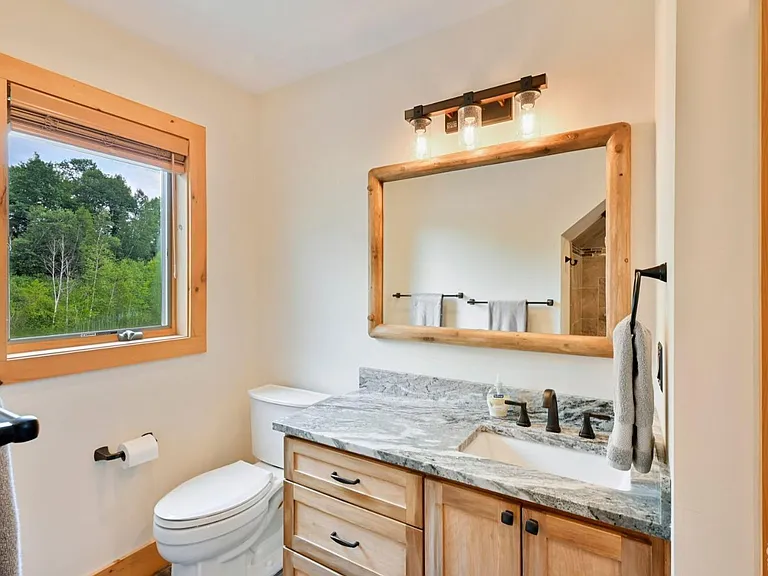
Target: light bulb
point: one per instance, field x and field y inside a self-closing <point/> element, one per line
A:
<point x="528" y="124"/>
<point x="529" y="127"/>
<point x="421" y="148"/>
<point x="469" y="134"/>
<point x="470" y="121"/>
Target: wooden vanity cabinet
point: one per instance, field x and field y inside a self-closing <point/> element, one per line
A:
<point x="345" y="515"/>
<point x="470" y="533"/>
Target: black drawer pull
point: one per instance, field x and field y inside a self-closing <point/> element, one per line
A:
<point x="346" y="481"/>
<point x="508" y="518"/>
<point x="343" y="542"/>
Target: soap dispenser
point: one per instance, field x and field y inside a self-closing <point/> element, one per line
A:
<point x="496" y="397"/>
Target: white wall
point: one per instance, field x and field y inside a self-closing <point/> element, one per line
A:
<point x="322" y="135"/>
<point x="78" y="516"/>
<point x="713" y="320"/>
<point x="494" y="233"/>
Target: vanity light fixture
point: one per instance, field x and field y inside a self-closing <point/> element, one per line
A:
<point x="420" y="123"/>
<point x="467" y="113"/>
<point x="528" y="123"/>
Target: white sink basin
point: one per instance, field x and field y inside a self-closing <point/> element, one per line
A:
<point x="583" y="466"/>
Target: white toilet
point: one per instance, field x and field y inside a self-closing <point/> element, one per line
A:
<point x="229" y="521"/>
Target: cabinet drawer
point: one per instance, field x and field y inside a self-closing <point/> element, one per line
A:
<point x="348" y="539"/>
<point x="297" y="565"/>
<point x="387" y="490"/>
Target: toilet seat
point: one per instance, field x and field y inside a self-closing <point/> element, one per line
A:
<point x="215" y="496"/>
<point x="208" y="533"/>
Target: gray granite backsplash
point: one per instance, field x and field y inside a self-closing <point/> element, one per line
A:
<point x="571" y="407"/>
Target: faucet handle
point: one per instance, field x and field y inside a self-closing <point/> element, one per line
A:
<point x="586" y="426"/>
<point x="522" y="420"/>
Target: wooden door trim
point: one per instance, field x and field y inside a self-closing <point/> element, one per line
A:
<point x="763" y="56"/>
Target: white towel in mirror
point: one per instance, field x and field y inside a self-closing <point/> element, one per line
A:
<point x="508" y="315"/>
<point x="427" y="310"/>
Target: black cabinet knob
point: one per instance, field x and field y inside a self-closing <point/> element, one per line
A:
<point x="508" y="518"/>
<point x="532" y="527"/>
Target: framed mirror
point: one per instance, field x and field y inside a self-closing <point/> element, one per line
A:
<point x="523" y="245"/>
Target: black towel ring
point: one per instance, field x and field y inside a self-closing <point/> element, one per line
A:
<point x="659" y="273"/>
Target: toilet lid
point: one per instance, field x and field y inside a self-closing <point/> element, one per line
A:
<point x="218" y="493"/>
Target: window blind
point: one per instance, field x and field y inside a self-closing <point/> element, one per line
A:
<point x="40" y="114"/>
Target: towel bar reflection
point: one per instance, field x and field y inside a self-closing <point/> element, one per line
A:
<point x="472" y="302"/>
<point x="459" y="295"/>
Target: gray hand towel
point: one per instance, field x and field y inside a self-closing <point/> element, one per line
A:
<point x="631" y="441"/>
<point x="10" y="549"/>
<point x="508" y="316"/>
<point x="427" y="310"/>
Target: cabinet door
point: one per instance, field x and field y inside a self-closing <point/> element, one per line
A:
<point x="470" y="534"/>
<point x="555" y="546"/>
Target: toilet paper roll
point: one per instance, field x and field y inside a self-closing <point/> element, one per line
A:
<point x="139" y="450"/>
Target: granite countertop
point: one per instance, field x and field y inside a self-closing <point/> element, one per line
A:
<point x="420" y="423"/>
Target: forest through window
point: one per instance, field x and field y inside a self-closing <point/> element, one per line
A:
<point x="89" y="247"/>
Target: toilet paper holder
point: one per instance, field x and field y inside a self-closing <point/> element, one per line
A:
<point x="104" y="455"/>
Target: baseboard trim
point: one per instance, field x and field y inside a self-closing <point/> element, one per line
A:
<point x="145" y="561"/>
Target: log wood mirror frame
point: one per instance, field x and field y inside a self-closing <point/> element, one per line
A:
<point x="616" y="139"/>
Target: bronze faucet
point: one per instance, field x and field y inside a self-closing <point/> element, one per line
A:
<point x="553" y="418"/>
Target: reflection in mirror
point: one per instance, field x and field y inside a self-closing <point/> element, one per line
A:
<point x="517" y="247"/>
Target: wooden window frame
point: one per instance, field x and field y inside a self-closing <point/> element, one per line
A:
<point x="25" y="361"/>
<point x="616" y="139"/>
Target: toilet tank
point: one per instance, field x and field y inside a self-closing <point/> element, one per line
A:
<point x="270" y="403"/>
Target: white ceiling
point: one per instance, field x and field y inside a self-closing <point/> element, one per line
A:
<point x="262" y="44"/>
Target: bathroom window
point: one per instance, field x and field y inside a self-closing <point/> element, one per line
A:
<point x="89" y="244"/>
<point x="105" y="229"/>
